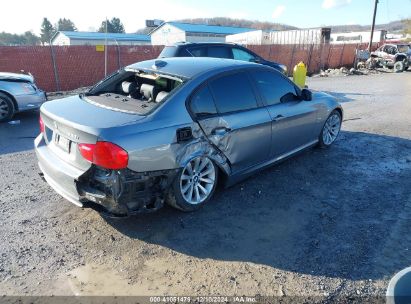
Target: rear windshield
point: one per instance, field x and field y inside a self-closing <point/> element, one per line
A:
<point x="168" y="51"/>
<point x="135" y="92"/>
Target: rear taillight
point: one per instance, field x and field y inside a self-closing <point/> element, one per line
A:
<point x="105" y="154"/>
<point x="41" y="123"/>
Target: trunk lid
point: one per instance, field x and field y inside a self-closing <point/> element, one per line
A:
<point x="72" y="120"/>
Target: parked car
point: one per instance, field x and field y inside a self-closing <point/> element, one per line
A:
<point x="18" y="93"/>
<point x="397" y="56"/>
<point x="169" y="130"/>
<point x="218" y="50"/>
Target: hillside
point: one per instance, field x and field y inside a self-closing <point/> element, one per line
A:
<point x="224" y="21"/>
<point x="394" y="26"/>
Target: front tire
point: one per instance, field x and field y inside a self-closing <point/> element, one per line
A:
<point x="194" y="185"/>
<point x="399" y="67"/>
<point x="331" y="129"/>
<point x="6" y="108"/>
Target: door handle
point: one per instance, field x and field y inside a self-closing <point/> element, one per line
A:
<point x="279" y="117"/>
<point x="220" y="131"/>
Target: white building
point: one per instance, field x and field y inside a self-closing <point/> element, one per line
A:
<point x="302" y="36"/>
<point x="91" y="38"/>
<point x="358" y="37"/>
<point x="172" y="32"/>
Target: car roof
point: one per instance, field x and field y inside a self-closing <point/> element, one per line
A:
<point x="189" y="67"/>
<point x="396" y="44"/>
<point x="15" y="76"/>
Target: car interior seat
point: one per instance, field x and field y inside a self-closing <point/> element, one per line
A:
<point x="130" y="88"/>
<point x="161" y="95"/>
<point x="148" y="91"/>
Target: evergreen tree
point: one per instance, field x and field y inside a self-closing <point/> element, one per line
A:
<point x="66" y="25"/>
<point x="47" y="31"/>
<point x="113" y="26"/>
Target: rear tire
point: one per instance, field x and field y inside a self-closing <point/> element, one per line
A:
<point x="6" y="108"/>
<point x="331" y="129"/>
<point x="194" y="186"/>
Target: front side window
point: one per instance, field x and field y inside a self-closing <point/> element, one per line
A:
<point x="233" y="93"/>
<point x="403" y="48"/>
<point x="202" y="103"/>
<point x="219" y="52"/>
<point x="242" y="55"/>
<point x="274" y="88"/>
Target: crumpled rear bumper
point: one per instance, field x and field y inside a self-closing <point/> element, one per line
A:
<point x="58" y="174"/>
<point x="114" y="192"/>
<point x="125" y="192"/>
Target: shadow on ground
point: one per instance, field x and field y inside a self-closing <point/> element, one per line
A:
<point x="346" y="97"/>
<point x="19" y="136"/>
<point x="328" y="213"/>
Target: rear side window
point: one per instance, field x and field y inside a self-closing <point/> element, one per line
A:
<point x="202" y="103"/>
<point x="168" y="51"/>
<point x="233" y="93"/>
<point x="273" y="87"/>
<point x="219" y="52"/>
<point x="198" y="52"/>
<point x="183" y="53"/>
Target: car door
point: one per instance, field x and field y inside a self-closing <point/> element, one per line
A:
<point x="293" y="120"/>
<point x="234" y="121"/>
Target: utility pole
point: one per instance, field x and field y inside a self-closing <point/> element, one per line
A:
<point x="373" y="26"/>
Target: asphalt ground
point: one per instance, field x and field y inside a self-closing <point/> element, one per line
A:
<point x="326" y="224"/>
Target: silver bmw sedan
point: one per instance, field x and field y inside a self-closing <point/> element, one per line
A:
<point x="168" y="130"/>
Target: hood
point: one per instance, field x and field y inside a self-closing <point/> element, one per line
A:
<point x="15" y="76"/>
<point x="320" y="94"/>
<point x="77" y="113"/>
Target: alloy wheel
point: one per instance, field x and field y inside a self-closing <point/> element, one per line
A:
<point x="4" y="108"/>
<point x="197" y="180"/>
<point x="331" y="129"/>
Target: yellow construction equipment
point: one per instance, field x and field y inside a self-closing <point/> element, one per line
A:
<point x="300" y="74"/>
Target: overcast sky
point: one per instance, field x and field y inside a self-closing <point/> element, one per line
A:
<point x="22" y="15"/>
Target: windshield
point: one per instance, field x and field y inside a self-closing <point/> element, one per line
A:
<point x="132" y="91"/>
<point x="168" y="51"/>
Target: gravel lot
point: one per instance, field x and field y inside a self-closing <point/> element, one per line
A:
<point x="330" y="223"/>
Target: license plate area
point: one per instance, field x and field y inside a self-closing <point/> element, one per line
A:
<point x="63" y="143"/>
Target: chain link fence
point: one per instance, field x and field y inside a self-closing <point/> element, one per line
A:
<point x="62" y="68"/>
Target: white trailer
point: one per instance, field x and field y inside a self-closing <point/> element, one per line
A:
<point x="302" y="36"/>
<point x="358" y="37"/>
<point x="257" y="37"/>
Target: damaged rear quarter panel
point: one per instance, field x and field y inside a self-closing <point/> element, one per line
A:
<point x="153" y="144"/>
<point x="159" y="150"/>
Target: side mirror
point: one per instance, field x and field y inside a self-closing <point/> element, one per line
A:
<point x="255" y="60"/>
<point x="306" y="95"/>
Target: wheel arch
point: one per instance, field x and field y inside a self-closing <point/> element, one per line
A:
<point x="204" y="148"/>
<point x="340" y="110"/>
<point x="400" y="58"/>
<point x="16" y="107"/>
